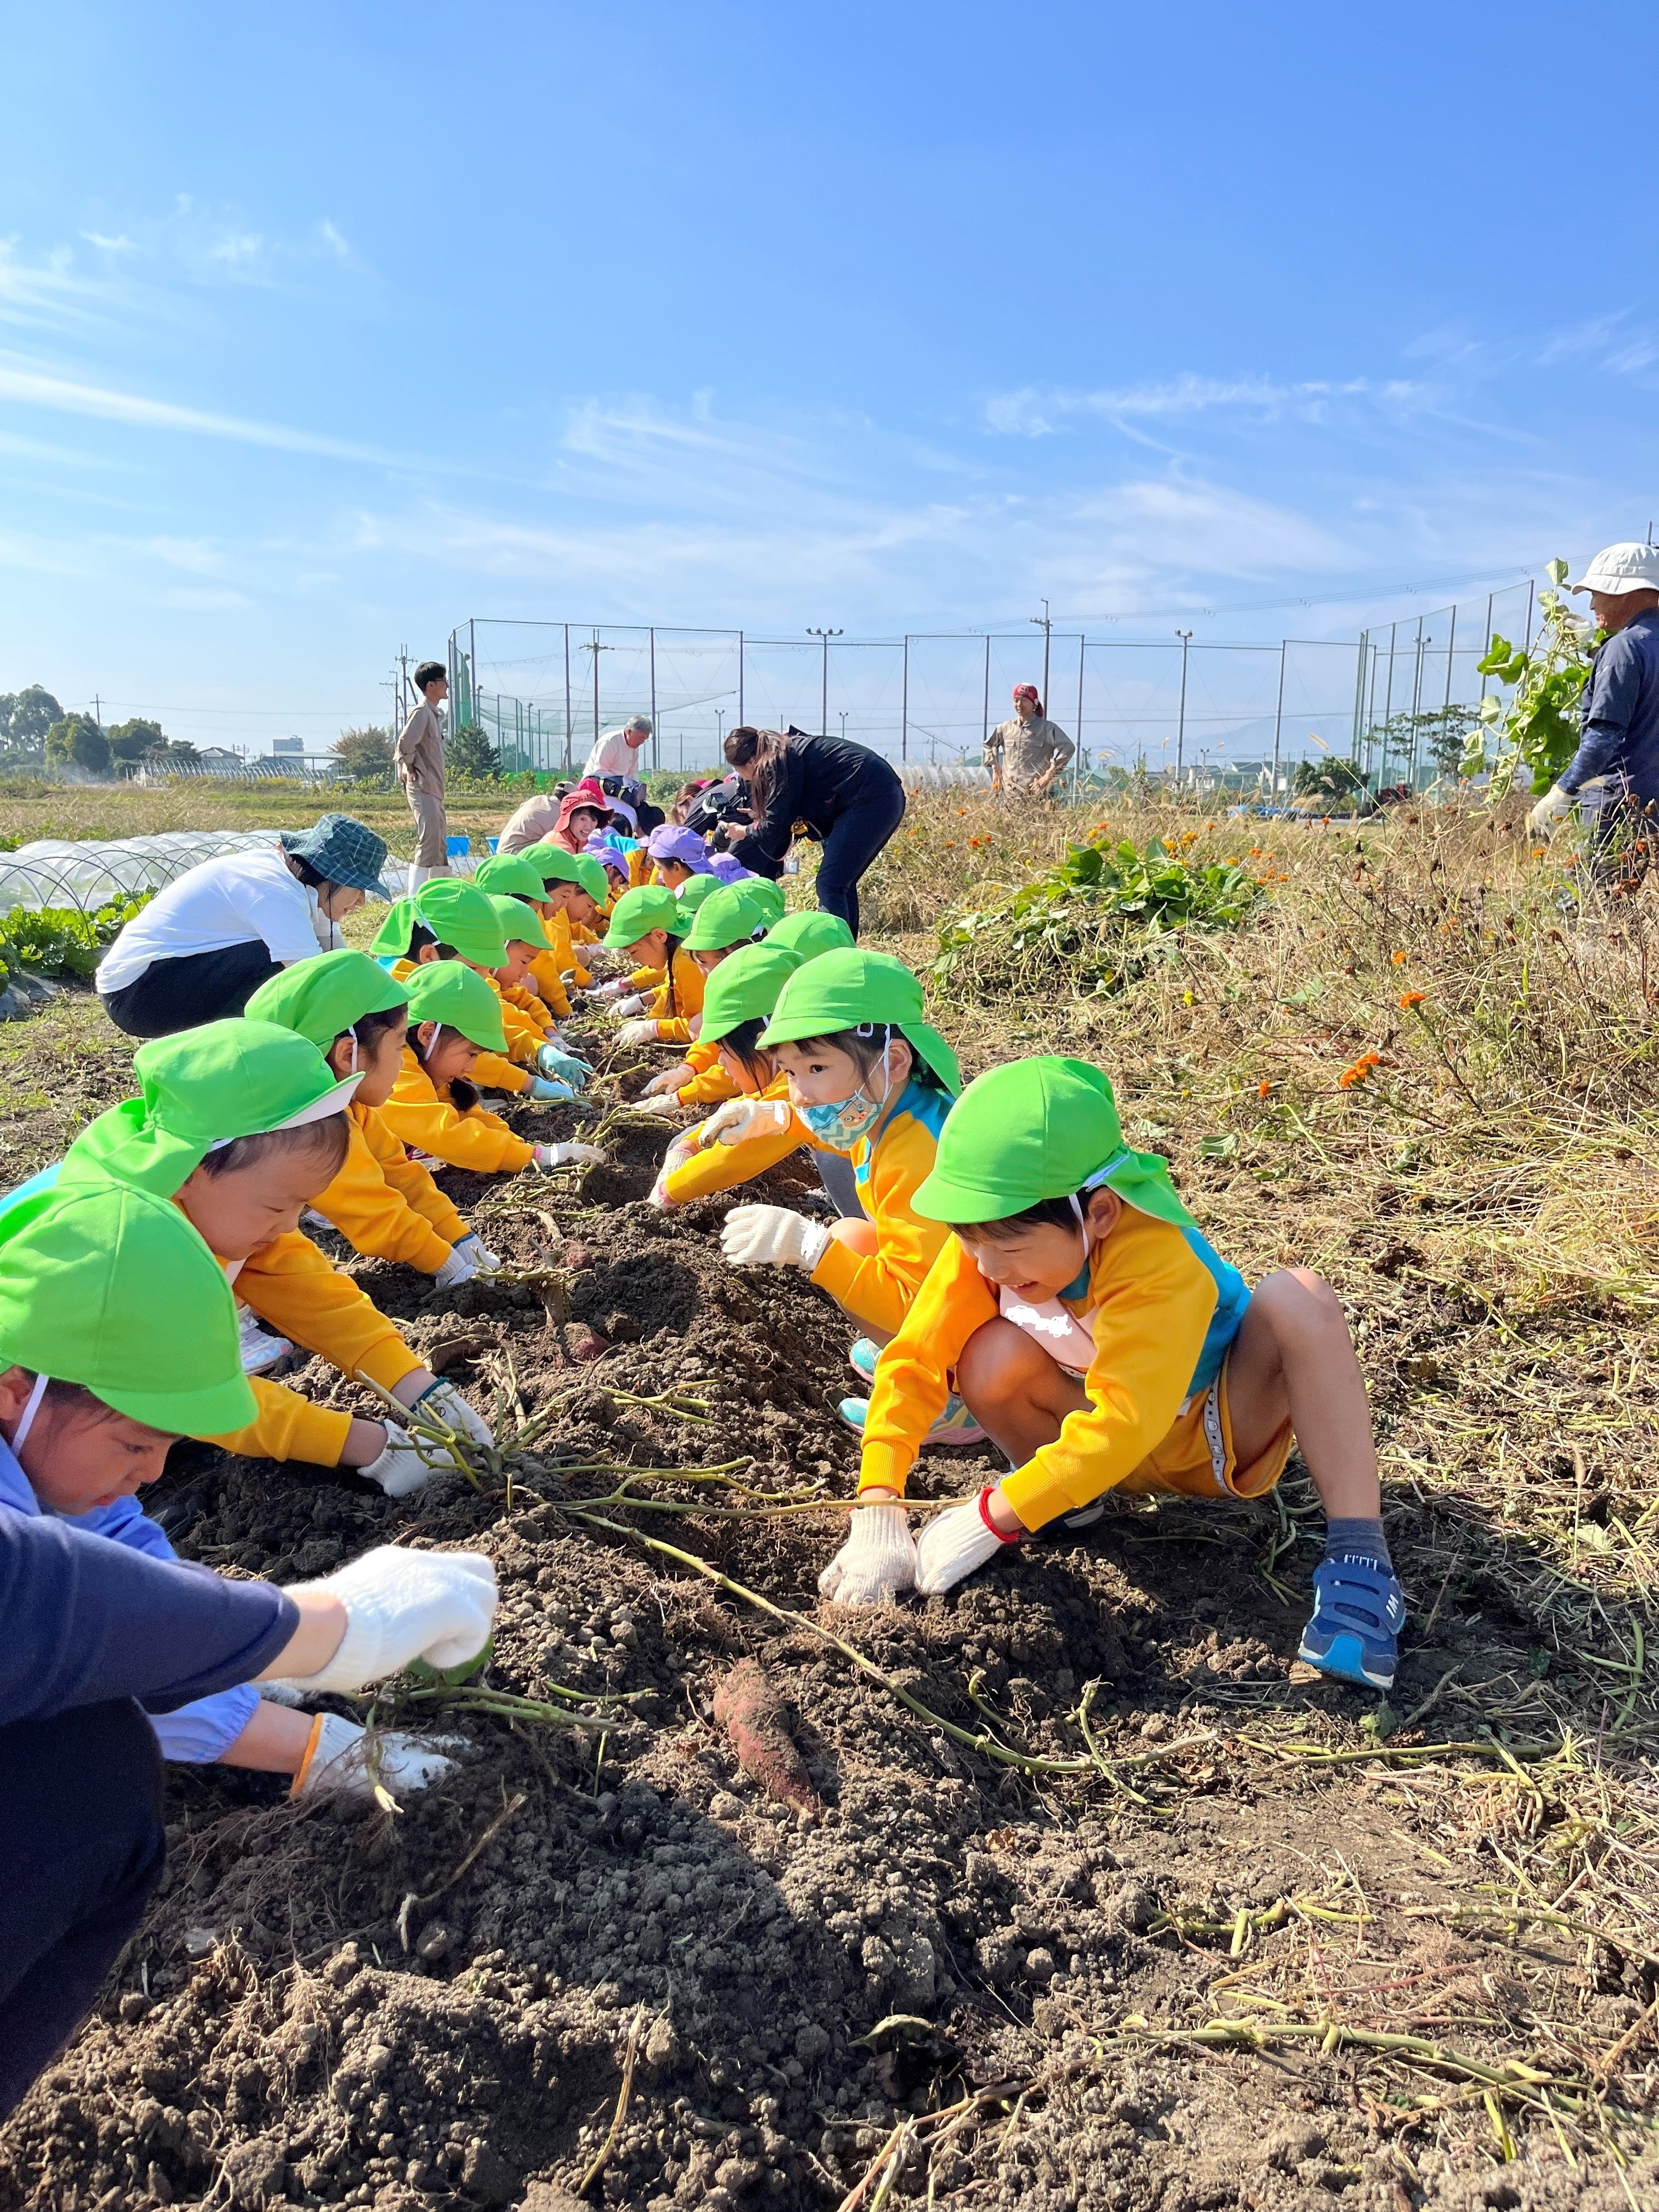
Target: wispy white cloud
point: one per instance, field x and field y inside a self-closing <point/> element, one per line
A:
<point x="1036" y="412"/>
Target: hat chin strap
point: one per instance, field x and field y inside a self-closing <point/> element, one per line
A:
<point x="26" y="1418"/>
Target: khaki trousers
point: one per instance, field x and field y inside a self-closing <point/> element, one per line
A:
<point x="428" y="808"/>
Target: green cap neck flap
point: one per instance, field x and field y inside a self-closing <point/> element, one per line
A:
<point x="769" y="894"/>
<point x="810" y="933"/>
<point x="638" y="912"/>
<point x="695" y="893"/>
<point x="509" y="875"/>
<point x="521" y="924"/>
<point x="846" y="989"/>
<point x="551" y="863"/>
<point x="443" y="991"/>
<point x="729" y="917"/>
<point x="200" y="1090"/>
<point x="392" y="938"/>
<point x="592" y="878"/>
<point x="322" y="999"/>
<point x="1039" y="1129"/>
<point x="461" y="914"/>
<point x="745" y="989"/>
<point x="111" y="1288"/>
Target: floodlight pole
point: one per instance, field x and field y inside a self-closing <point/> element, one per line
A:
<point x="1278" y="723"/>
<point x="823" y="710"/>
<point x="1186" y="637"/>
<point x="1046" y="626"/>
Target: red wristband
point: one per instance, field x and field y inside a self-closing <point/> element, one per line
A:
<point x="985" y="1516"/>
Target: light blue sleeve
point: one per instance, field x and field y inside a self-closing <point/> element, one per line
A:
<point x="199" y="1733"/>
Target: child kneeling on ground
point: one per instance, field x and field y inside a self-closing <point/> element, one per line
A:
<point x="1103" y="1345"/>
<point x="118" y="1335"/>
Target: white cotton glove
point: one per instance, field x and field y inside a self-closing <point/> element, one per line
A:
<point x="877" y="1560"/>
<point x="568" y="1067"/>
<point x="613" y="989"/>
<point x="739" y="1119"/>
<point x="664" y="1103"/>
<point x="771" y="1236"/>
<point x="632" y="1004"/>
<point x="672" y="1080"/>
<point x="442" y="1401"/>
<point x="436" y="1606"/>
<point x="457" y="1268"/>
<point x="337" y="1763"/>
<point x="1554" y="803"/>
<point x="641" y="1032"/>
<point x="484" y="1262"/>
<point x="952" y="1544"/>
<point x="400" y="1470"/>
<point x="568" y="1156"/>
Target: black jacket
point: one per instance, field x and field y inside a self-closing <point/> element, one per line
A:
<point x="816" y="779"/>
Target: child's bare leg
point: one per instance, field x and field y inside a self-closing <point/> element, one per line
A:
<point x="1014" y="1390"/>
<point x="1293" y="1358"/>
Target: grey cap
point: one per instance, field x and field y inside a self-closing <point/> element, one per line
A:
<point x="345" y="851"/>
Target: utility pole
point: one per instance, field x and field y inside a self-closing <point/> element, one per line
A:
<point x="1278" y="723"/>
<point x="98" y="709"/>
<point x="843" y="726"/>
<point x="1186" y="636"/>
<point x="403" y="689"/>
<point x="823" y="710"/>
<point x="1045" y="626"/>
<point x="596" y="649"/>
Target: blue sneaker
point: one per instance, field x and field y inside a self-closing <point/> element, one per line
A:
<point x="864" y="1356"/>
<point x="954" y="1426"/>
<point x="1359" y="1609"/>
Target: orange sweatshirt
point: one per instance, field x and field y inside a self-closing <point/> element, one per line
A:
<point x="1154" y="1298"/>
<point x="709" y="1083"/>
<point x="677" y="1000"/>
<point x="422" y="1115"/>
<point x="387" y="1204"/>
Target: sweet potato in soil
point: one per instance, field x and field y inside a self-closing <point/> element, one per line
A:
<point x="269" y="2036"/>
<point x="750" y="1710"/>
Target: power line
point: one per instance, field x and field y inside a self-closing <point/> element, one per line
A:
<point x="1334" y="600"/>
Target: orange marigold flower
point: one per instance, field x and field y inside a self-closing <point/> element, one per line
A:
<point x="1539" y="851"/>
<point x="1398" y="959"/>
<point x="1413" y="998"/>
<point x="1263" y="1090"/>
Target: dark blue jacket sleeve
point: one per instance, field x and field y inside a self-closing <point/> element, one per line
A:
<point x="765" y="846"/>
<point x="83" y="1619"/>
<point x="1621" y="712"/>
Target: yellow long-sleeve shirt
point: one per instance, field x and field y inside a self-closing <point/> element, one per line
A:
<point x="530" y="1005"/>
<point x="491" y="1071"/>
<point x="385" y="1204"/>
<point x="422" y="1115"/>
<point x="709" y="1083"/>
<point x="289" y="1426"/>
<point x="677" y="1000"/>
<point x="1154" y="1294"/>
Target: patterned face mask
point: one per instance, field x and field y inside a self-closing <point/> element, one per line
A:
<point x="844" y="1121"/>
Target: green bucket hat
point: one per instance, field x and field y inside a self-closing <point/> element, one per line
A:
<point x="810" y="933"/>
<point x="202" y="1088"/>
<point x="323" y="997"/>
<point x="729" y="917"/>
<point x="646" y="908"/>
<point x="745" y="989"/>
<point x="509" y="875"/>
<point x="520" y="922"/>
<point x="441" y="990"/>
<point x="457" y="914"/>
<point x="769" y="894"/>
<point x="842" y="989"/>
<point x="695" y="893"/>
<point x="591" y="878"/>
<point x="111" y="1288"/>
<point x="551" y="863"/>
<point x="1039" y="1129"/>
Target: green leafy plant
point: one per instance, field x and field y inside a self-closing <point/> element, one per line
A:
<point x="62" y="943"/>
<point x="1536" y="734"/>
<point x="1089" y="922"/>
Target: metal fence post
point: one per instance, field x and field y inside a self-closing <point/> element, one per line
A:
<point x="985" y="737"/>
<point x="1278" y="721"/>
<point x="567" y="698"/>
<point x="1358" y="697"/>
<point x="740" y="713"/>
<point x="904" y="703"/>
<point x="656" y="759"/>
<point x="1076" y="750"/>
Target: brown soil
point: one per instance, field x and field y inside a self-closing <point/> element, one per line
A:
<point x="375" y="2009"/>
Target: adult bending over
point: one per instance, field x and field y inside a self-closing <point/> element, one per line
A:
<point x="202" y="946"/>
<point x="420" y="755"/>
<point x="846" y="796"/>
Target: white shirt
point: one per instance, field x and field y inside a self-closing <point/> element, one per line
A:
<point x="234" y="900"/>
<point x="612" y="755"/>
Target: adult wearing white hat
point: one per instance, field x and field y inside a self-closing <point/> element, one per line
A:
<point x="1619" y="739"/>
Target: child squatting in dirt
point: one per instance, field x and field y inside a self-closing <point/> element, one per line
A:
<point x="1103" y="1345"/>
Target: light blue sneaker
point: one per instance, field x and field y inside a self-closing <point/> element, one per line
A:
<point x="954" y="1426"/>
<point x="864" y="1356"/>
<point x="1359" y="1610"/>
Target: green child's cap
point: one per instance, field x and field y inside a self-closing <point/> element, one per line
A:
<point x="461" y="914"/>
<point x="592" y="878"/>
<point x="111" y="1288"/>
<point x="769" y="894"/>
<point x="521" y="924"/>
<point x="442" y="991"/>
<point x="728" y="917"/>
<point x="841" y="989"/>
<point x="646" y="908"/>
<point x="322" y="999"/>
<point x="509" y="875"/>
<point x="809" y="932"/>
<point x="199" y="1090"/>
<point x="1037" y="1129"/>
<point x="695" y="893"/>
<point x="551" y="863"/>
<point x="745" y="989"/>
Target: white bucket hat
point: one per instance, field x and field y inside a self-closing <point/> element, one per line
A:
<point x="1619" y="569"/>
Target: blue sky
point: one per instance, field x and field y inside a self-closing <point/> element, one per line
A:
<point x="323" y="328"/>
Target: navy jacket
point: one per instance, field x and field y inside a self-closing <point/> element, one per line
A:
<point x="816" y="781"/>
<point x="84" y="1621"/>
<point x="1620" y="723"/>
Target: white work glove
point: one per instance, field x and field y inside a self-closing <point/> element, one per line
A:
<point x="568" y="1156"/>
<point x="632" y="1004"/>
<point x="442" y="1401"/>
<point x="771" y="1236"/>
<point x="952" y="1544"/>
<point x="671" y="1080"/>
<point x="613" y="989"/>
<point x="484" y="1262"/>
<point x="568" y="1067"/>
<point x="740" y="1119"/>
<point x="400" y="1470"/>
<point x="436" y="1606"/>
<point x="337" y="1763"/>
<point x="457" y="1268"/>
<point x="664" y="1103"/>
<point x="877" y="1560"/>
<point x="1554" y="803"/>
<point x="641" y="1032"/>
